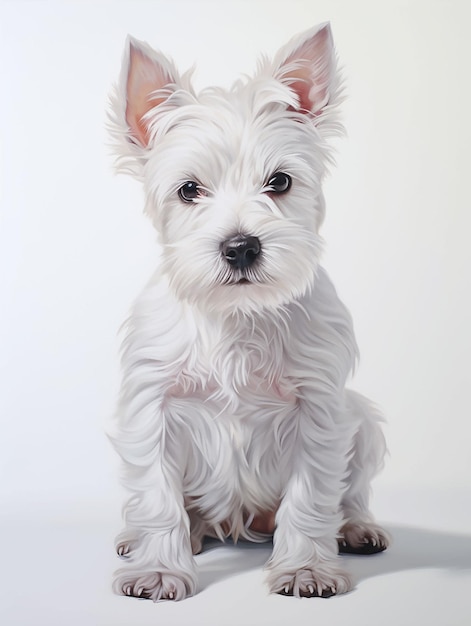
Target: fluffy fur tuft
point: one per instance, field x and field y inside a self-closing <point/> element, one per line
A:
<point x="233" y="417"/>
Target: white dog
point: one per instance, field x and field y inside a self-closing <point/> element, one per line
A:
<point x="233" y="418"/>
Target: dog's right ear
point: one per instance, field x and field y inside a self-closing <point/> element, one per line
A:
<point x="149" y="80"/>
<point x="147" y="87"/>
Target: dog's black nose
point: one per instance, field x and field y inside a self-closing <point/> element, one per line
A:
<point x="241" y="251"/>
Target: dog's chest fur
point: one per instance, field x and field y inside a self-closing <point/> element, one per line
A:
<point x="241" y="370"/>
<point x="236" y="359"/>
<point x="234" y="385"/>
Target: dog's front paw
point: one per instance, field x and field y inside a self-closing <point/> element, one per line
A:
<point x="310" y="583"/>
<point x="363" y="538"/>
<point x="126" y="542"/>
<point x="124" y="548"/>
<point x="155" y="585"/>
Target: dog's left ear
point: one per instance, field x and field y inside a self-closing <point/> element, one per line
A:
<point x="307" y="65"/>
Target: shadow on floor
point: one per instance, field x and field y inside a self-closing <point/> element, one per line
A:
<point x="412" y="548"/>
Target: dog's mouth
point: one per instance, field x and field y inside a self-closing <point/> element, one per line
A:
<point x="235" y="279"/>
<point x="238" y="280"/>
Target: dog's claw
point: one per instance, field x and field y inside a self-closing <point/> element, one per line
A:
<point x="122" y="551"/>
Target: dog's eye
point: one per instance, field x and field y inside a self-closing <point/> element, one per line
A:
<point x="279" y="183"/>
<point x="189" y="191"/>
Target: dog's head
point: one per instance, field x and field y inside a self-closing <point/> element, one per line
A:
<point x="232" y="178"/>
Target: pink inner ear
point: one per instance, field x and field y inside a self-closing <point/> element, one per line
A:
<point x="144" y="77"/>
<point x="302" y="88"/>
<point x="310" y="81"/>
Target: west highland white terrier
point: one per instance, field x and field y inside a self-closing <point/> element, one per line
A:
<point x="233" y="418"/>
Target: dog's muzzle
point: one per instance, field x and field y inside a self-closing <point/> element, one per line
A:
<point x="241" y="251"/>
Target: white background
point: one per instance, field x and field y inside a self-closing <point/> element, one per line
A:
<point x="75" y="250"/>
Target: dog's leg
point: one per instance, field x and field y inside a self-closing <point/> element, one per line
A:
<point x="305" y="551"/>
<point x="156" y="545"/>
<point x="359" y="533"/>
<point x="198" y="530"/>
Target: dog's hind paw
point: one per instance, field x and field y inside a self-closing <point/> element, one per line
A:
<point x="363" y="538"/>
<point x="155" y="586"/>
<point x="310" y="583"/>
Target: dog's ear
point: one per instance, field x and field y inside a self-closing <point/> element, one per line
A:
<point x="307" y="64"/>
<point x="149" y="84"/>
<point x="148" y="80"/>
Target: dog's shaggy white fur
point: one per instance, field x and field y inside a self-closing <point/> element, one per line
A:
<point x="233" y="406"/>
